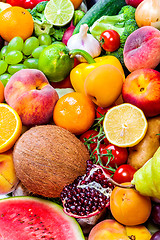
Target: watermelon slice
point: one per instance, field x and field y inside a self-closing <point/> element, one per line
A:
<point x="31" y="218"/>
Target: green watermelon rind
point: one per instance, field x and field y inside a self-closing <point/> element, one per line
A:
<point x="77" y="231"/>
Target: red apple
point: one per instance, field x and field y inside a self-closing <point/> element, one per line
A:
<point x="30" y="94"/>
<point x="142" y="89"/>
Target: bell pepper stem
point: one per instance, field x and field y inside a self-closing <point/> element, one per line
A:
<point x="83" y="53"/>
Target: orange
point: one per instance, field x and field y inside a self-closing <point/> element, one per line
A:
<point x="10" y="127"/>
<point x="74" y="112"/>
<point x="16" y="21"/>
<point x="1" y="92"/>
<point x="76" y="3"/>
<point x="129" y="207"/>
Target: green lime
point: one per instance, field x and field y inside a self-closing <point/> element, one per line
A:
<point x="59" y="13"/>
<point x="55" y="62"/>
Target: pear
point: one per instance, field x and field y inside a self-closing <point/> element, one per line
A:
<point x="147" y="178"/>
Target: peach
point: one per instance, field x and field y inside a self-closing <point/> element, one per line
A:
<point x="30" y="94"/>
<point x="108" y="229"/>
<point x="141" y="49"/>
<point x="142" y="89"/>
<point x="8" y="179"/>
<point x="112" y="230"/>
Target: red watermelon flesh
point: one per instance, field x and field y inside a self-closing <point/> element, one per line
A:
<point x="30" y="218"/>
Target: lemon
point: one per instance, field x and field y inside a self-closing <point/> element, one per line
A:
<point x="59" y="12"/>
<point x="125" y="125"/>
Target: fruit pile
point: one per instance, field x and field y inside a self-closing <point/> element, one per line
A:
<point x="80" y="119"/>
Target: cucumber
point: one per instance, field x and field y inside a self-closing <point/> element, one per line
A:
<point x="100" y="8"/>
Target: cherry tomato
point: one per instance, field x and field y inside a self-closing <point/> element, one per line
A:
<point x="89" y="135"/>
<point x="110" y="40"/>
<point x="124" y="173"/>
<point x="120" y="155"/>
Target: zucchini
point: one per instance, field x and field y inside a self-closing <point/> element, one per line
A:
<point x="100" y="8"/>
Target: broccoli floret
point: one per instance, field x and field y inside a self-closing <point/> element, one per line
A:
<point x="127" y="12"/>
<point x="41" y="6"/>
<point x="38" y="12"/>
<point x="118" y="54"/>
<point x="130" y="26"/>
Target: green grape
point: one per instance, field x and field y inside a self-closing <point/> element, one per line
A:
<point x="14" y="57"/>
<point x="31" y="63"/>
<point x="3" y="66"/>
<point x="15" y="68"/>
<point x="4" y="78"/>
<point x="29" y="45"/>
<point x="15" y="44"/>
<point x="3" y="52"/>
<point x="37" y="51"/>
<point x="44" y="39"/>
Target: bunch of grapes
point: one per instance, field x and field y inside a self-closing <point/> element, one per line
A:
<point x="19" y="55"/>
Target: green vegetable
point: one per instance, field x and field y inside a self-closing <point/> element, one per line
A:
<point x="124" y="23"/>
<point x="102" y="7"/>
<point x="41" y="25"/>
<point x="78" y="15"/>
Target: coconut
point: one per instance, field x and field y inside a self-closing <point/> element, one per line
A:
<point x="48" y="157"/>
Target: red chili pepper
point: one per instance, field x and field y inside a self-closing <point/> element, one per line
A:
<point x="15" y="2"/>
<point x="24" y="3"/>
<point x="31" y="3"/>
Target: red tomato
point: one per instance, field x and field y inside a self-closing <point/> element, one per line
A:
<point x="15" y="2"/>
<point x="110" y="40"/>
<point x="124" y="173"/>
<point x="88" y="135"/>
<point x="120" y="155"/>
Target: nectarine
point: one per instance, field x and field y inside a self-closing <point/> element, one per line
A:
<point x="142" y="89"/>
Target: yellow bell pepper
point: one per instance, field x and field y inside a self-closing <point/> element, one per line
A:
<point x="81" y="71"/>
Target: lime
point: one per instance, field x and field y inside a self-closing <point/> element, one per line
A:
<point x="59" y="12"/>
<point x="55" y="62"/>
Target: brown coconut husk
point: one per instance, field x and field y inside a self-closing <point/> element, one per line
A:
<point x="47" y="158"/>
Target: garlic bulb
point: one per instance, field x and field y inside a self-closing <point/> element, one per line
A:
<point x="84" y="41"/>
